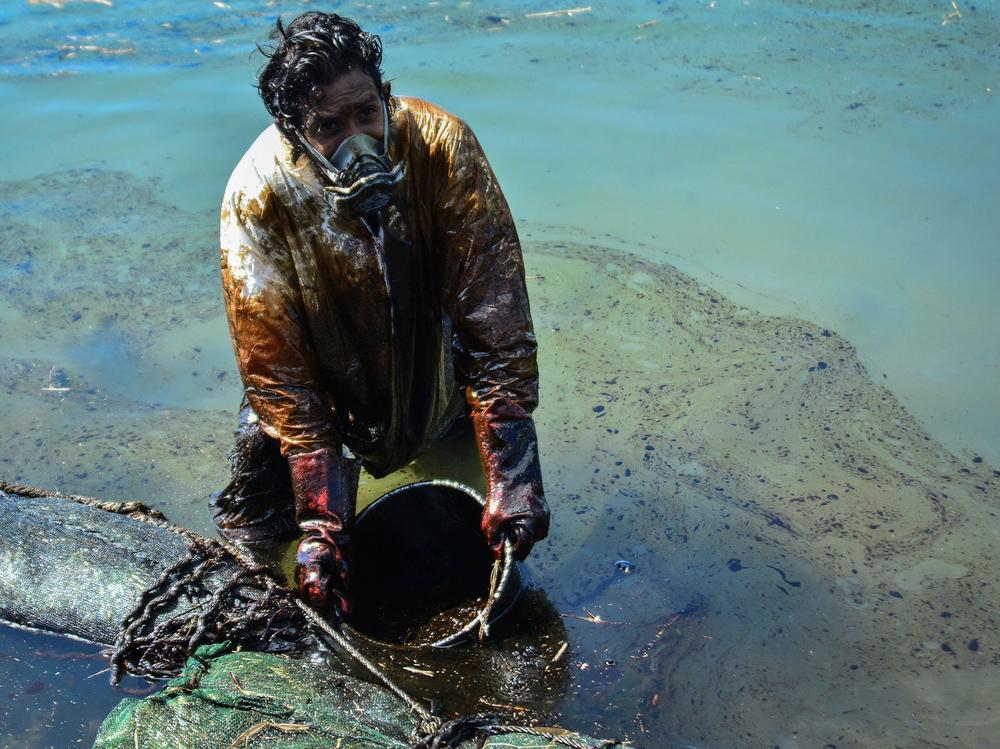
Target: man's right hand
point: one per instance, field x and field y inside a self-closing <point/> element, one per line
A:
<point x="322" y="570"/>
<point x="325" y="484"/>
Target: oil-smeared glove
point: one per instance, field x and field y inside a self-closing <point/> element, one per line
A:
<point x="325" y="484"/>
<point x="515" y="503"/>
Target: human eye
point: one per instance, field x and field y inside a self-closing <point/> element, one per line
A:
<point x="327" y="127"/>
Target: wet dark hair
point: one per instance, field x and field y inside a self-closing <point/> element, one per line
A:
<point x="310" y="52"/>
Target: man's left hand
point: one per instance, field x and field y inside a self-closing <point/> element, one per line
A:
<point x="523" y="528"/>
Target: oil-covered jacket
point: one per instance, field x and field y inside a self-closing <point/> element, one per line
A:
<point x="345" y="331"/>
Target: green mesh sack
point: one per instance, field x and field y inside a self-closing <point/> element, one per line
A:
<point x="249" y="700"/>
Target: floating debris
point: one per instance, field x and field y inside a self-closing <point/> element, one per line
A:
<point x="625" y="567"/>
<point x="72" y="50"/>
<point x="593" y="618"/>
<point x="64" y="3"/>
<point x="565" y="646"/>
<point x="554" y="13"/>
<point x="952" y="15"/>
<point x="58" y="381"/>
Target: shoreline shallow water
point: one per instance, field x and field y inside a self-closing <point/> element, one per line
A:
<point x="811" y="565"/>
<point x="802" y="550"/>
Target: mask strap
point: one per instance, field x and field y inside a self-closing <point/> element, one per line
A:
<point x="332" y="172"/>
<point x="385" y="127"/>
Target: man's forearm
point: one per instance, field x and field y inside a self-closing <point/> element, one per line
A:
<point x="508" y="448"/>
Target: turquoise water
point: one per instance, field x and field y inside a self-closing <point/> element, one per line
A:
<point x="831" y="162"/>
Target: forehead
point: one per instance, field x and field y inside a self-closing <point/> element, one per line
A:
<point x="351" y="89"/>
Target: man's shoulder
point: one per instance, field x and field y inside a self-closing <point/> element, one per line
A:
<point x="423" y="110"/>
<point x="430" y="120"/>
<point x="263" y="165"/>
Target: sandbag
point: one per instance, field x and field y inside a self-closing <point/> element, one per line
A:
<point x="150" y="590"/>
<point x="75" y="569"/>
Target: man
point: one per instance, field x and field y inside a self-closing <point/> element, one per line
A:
<point x="375" y="292"/>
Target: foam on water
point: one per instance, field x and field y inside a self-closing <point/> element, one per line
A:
<point x="812" y="565"/>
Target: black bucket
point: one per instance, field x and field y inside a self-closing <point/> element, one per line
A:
<point x="422" y="570"/>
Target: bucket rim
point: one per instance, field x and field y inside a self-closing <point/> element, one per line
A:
<point x="509" y="576"/>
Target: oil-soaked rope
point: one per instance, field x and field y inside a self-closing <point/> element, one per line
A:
<point x="121" y="508"/>
<point x="428" y="721"/>
<point x="248" y="607"/>
<point x="157" y="652"/>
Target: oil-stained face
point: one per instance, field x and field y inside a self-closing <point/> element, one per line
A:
<point x="350" y="105"/>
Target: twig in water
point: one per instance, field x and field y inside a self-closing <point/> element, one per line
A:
<point x="515" y="708"/>
<point x="594" y="619"/>
<point x="263" y="726"/>
<point x="952" y="15"/>
<point x="559" y="653"/>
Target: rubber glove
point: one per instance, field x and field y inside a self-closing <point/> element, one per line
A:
<point x="325" y="485"/>
<point x="515" y="503"/>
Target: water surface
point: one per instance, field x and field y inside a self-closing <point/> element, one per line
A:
<point x="804" y="483"/>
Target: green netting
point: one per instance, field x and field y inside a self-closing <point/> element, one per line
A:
<point x="249" y="700"/>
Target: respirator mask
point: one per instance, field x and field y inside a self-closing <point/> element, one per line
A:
<point x="359" y="171"/>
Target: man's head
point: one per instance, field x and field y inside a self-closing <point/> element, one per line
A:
<point x="323" y="80"/>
